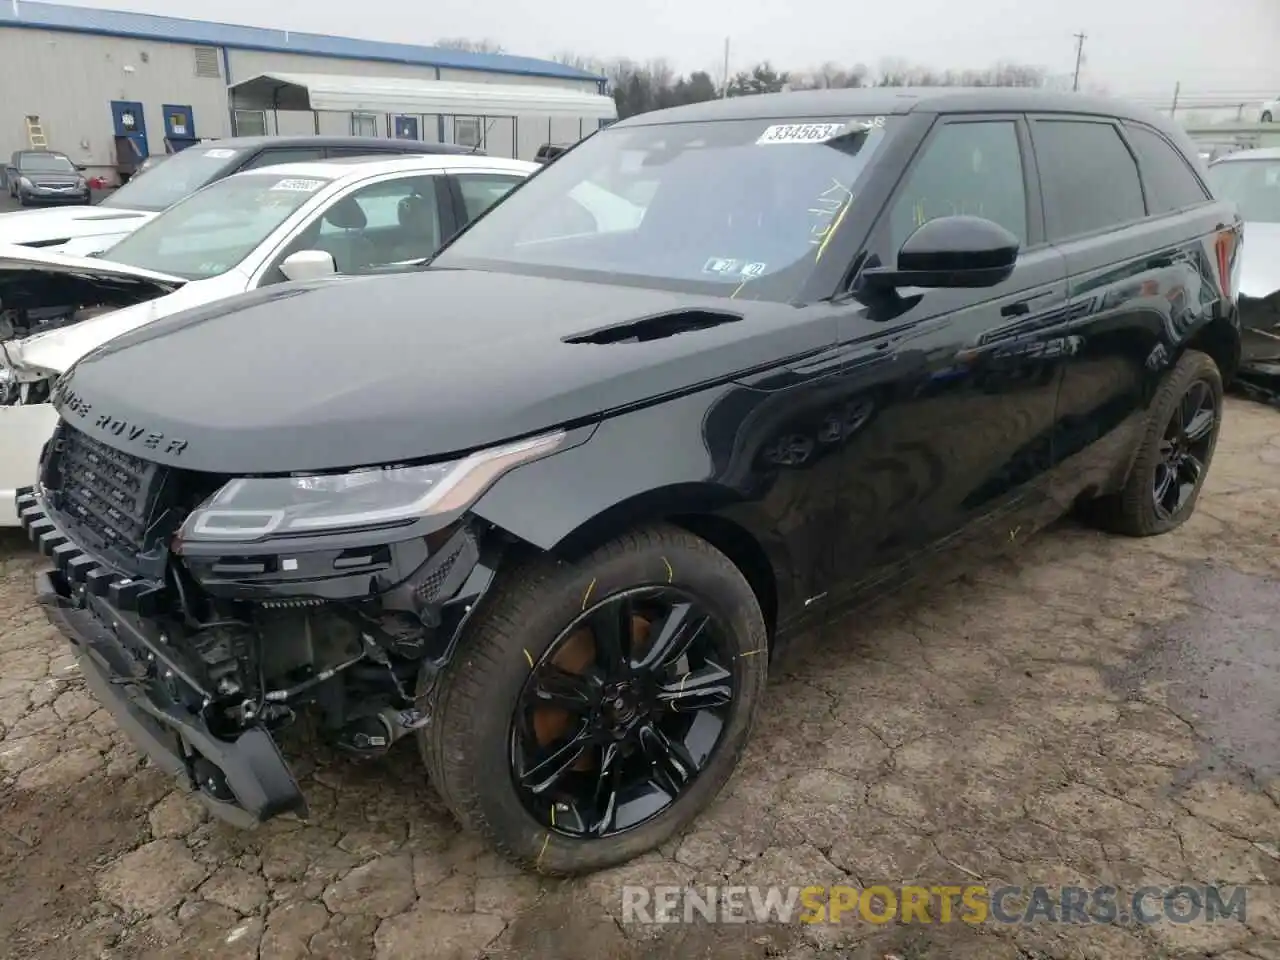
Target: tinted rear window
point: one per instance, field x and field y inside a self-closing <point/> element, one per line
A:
<point x="1090" y="178"/>
<point x="180" y="176"/>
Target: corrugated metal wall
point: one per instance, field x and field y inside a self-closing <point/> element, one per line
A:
<point x="69" y="81"/>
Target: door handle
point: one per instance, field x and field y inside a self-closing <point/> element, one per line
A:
<point x="1019" y="309"/>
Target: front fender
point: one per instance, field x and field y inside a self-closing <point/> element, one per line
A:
<point x="666" y="462"/>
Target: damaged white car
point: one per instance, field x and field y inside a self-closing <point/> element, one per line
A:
<point x="1251" y="179"/>
<point x="250" y="230"/>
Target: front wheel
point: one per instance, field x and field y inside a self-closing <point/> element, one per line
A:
<point x="594" y="709"/>
<point x="1266" y="117"/>
<point x="1177" y="449"/>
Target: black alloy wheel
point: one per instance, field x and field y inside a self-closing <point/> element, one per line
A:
<point x="622" y="712"/>
<point x="1173" y="455"/>
<point x="1184" y="450"/>
<point x="596" y="707"/>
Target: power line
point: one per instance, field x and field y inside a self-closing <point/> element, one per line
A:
<point x="1075" y="81"/>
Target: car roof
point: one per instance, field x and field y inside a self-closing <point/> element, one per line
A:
<point x="878" y="101"/>
<point x="320" y="140"/>
<point x="1255" y="153"/>
<point x="344" y="167"/>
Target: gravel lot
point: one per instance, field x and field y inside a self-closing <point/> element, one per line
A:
<point x="1092" y="711"/>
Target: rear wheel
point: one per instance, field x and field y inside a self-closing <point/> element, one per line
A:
<point x="1266" y="117"/>
<point x="595" y="709"/>
<point x="1177" y="449"/>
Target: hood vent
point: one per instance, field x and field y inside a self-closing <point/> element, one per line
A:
<point x="656" y="327"/>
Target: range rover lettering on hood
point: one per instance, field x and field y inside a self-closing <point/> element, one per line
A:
<point x="75" y="407"/>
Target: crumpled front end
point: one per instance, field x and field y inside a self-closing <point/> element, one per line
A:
<point x="205" y="655"/>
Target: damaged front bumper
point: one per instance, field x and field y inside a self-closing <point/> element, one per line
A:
<point x="244" y="781"/>
<point x="113" y="623"/>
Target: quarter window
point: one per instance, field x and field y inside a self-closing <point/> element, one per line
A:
<point x="480" y="191"/>
<point x="1170" y="183"/>
<point x="1089" y="177"/>
<point x="970" y="168"/>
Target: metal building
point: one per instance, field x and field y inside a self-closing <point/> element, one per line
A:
<point x="93" y="82"/>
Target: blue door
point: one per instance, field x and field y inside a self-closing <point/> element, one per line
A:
<point x="407" y="128"/>
<point x="179" y="126"/>
<point x="129" y="121"/>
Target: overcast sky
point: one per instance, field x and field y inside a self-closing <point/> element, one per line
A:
<point x="1136" y="47"/>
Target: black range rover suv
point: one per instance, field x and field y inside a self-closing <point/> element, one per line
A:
<point x="556" y="502"/>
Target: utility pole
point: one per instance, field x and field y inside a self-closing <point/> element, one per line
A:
<point x="1080" y="38"/>
<point x="724" y="91"/>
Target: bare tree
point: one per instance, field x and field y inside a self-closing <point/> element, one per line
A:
<point x="471" y="46"/>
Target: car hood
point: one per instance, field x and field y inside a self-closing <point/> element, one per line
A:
<point x="25" y="259"/>
<point x="55" y="351"/>
<point x="351" y="372"/>
<point x="36" y="280"/>
<point x="59" y="224"/>
<point x="1260" y="268"/>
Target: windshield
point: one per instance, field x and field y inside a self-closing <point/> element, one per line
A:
<point x="1253" y="185"/>
<point x="727" y="208"/>
<point x="213" y="230"/>
<point x="180" y="175"/>
<point x="45" y="163"/>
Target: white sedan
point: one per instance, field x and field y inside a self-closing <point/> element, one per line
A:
<point x="265" y="226"/>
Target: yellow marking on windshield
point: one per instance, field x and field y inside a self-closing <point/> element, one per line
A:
<point x="833" y="228"/>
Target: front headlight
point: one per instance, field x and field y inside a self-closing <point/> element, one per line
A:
<point x="24" y="182"/>
<point x="257" y="507"/>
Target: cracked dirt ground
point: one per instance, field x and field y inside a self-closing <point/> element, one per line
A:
<point x="1092" y="711"/>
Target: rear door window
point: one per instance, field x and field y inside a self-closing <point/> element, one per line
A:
<point x="1089" y="177"/>
<point x="1171" y="184"/>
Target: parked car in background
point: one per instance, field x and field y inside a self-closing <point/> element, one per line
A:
<point x="244" y="232"/>
<point x="554" y="504"/>
<point x="1251" y="180"/>
<point x="45" y="177"/>
<point x="82" y="232"/>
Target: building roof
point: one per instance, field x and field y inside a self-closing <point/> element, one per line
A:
<point x="361" y="167"/>
<point x="145" y="26"/>
<point x="310" y="91"/>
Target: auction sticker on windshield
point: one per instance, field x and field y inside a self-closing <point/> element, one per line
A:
<point x="299" y="186"/>
<point x="220" y="154"/>
<point x="800" y="132"/>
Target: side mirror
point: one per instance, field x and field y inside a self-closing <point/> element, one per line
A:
<point x="958" y="251"/>
<point x="308" y="265"/>
<point x="81" y="167"/>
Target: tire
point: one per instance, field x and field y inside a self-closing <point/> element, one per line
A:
<point x="467" y="747"/>
<point x="1132" y="512"/>
<point x="1266" y="117"/>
